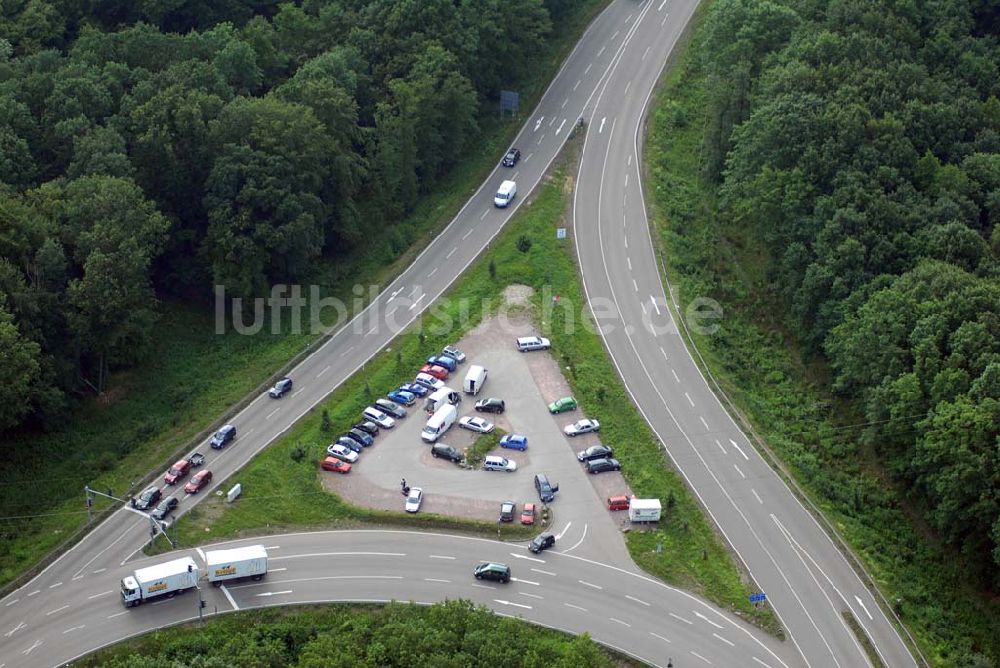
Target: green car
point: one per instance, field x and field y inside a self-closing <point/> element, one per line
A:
<point x="562" y="405"/>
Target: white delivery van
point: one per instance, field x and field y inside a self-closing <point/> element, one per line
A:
<point x="644" y="510"/>
<point x="505" y="195"/>
<point x="439" y="423"/>
<point x="439" y="398"/>
<point x="240" y="562"/>
<point x="475" y="378"/>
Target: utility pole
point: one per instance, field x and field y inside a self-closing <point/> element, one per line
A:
<point x="201" y="605"/>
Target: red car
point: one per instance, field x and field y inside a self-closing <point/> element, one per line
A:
<point x="177" y="472"/>
<point x="197" y="481"/>
<point x="335" y="465"/>
<point x="528" y="514"/>
<point x="438" y="372"/>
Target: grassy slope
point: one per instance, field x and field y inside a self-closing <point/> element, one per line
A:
<point x="283" y="494"/>
<point x="761" y="369"/>
<point x="195" y="376"/>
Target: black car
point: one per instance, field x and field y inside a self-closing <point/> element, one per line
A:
<point x="349" y="442"/>
<point x="492" y="571"/>
<point x="368" y="427"/>
<point x="507" y="510"/>
<point x="281" y="388"/>
<point x="594" y="452"/>
<point x="546" y="490"/>
<point x="446" y="451"/>
<point x="491" y="405"/>
<point x="362" y="437"/>
<point x="390" y="407"/>
<point x="542" y="541"/>
<point x="147" y="499"/>
<point x="223" y="437"/>
<point x="513" y="155"/>
<point x="602" y="465"/>
<point x="167" y="506"/>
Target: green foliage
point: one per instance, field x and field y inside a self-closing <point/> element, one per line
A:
<point x="524" y="243"/>
<point x="449" y="634"/>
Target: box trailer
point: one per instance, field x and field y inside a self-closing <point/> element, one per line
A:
<point x="475" y="378"/>
<point x="168" y="579"/>
<point x="239" y="562"/>
<point x="644" y="510"/>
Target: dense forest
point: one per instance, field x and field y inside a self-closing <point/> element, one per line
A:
<point x="860" y="141"/>
<point x="151" y="150"/>
<point x="454" y="633"/>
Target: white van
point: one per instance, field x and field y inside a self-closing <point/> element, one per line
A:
<point x="475" y="378"/>
<point x="439" y="398"/>
<point x="505" y="195"/>
<point x="439" y="423"/>
<point x="494" y="463"/>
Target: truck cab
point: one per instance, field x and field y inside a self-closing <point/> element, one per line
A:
<point x="131" y="595"/>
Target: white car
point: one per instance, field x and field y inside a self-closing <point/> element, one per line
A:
<point x="583" y="426"/>
<point x="379" y="418"/>
<point x="454" y="353"/>
<point x="343" y="453"/>
<point x="414" y="499"/>
<point x="428" y="380"/>
<point x="476" y="424"/>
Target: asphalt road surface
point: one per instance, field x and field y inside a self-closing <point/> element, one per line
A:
<point x="606" y="79"/>
<point x="806" y="579"/>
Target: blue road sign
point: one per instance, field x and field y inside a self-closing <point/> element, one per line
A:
<point x="757" y="598"/>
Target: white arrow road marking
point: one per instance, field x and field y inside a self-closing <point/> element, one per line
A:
<point x="275" y="593"/>
<point x="527" y="582"/>
<point x="863" y="607"/>
<point x="559" y="129"/>
<point x="698" y="614"/>
<point x="633" y="598"/>
<point x="34" y="646"/>
<point x="516" y="605"/>
<point x="601" y="129"/>
<point x="565" y="529"/>
<point x="15" y="629"/>
<point x="524" y="556"/>
<point x="740" y="449"/>
<point x="652" y="299"/>
<point x="538" y="124"/>
<point x="416" y="301"/>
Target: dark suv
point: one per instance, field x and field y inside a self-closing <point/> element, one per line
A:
<point x="542" y="541"/>
<point x="147" y="499"/>
<point x="223" y="437"/>
<point x="546" y="490"/>
<point x="167" y="506"/>
<point x="513" y="155"/>
<point x="492" y="571"/>
<point x="281" y="388"/>
<point x="446" y="451"/>
<point x="602" y="465"/>
<point x="491" y="405"/>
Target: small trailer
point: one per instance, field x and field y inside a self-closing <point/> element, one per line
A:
<point x="240" y="562"/>
<point x="644" y="510"/>
<point x="168" y="579"/>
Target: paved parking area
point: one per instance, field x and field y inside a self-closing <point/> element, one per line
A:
<point x="527" y="382"/>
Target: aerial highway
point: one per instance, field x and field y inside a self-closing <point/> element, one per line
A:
<point x="67" y="609"/>
<point x="805" y="577"/>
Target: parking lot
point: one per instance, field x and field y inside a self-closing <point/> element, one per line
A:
<point x="527" y="382"/>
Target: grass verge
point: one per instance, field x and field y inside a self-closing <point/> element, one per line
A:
<point x="778" y="390"/>
<point x="194" y="376"/>
<point x="280" y="494"/>
<point x="482" y="445"/>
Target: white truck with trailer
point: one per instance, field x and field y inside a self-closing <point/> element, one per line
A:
<point x="644" y="510"/>
<point x="240" y="562"/>
<point x="167" y="579"/>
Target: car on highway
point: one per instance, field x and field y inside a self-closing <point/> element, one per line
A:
<point x="167" y="506"/>
<point x="198" y="481"/>
<point x="349" y="442"/>
<point x="546" y="490"/>
<point x="594" y="452"/>
<point x="415" y="388"/>
<point x="428" y="381"/>
<point x="281" y="388"/>
<point x="495" y="463"/>
<point x="342" y="453"/>
<point x="414" y="499"/>
<point x="584" y="426"/>
<point x="513" y="155"/>
<point x="390" y="408"/>
<point x="402" y="397"/>
<point x="528" y="343"/>
<point x="147" y="500"/>
<point x="476" y="424"/>
<point x="542" y="541"/>
<point x="362" y="437"/>
<point x="454" y="353"/>
<point x="603" y="465"/>
<point x="223" y="437"/>
<point x="562" y="405"/>
<point x="507" y="510"/>
<point x="446" y="451"/>
<point x="177" y="472"/>
<point x="449" y="363"/>
<point x="492" y="571"/>
<point x="335" y="465"/>
<point x="438" y="372"/>
<point x="528" y="514"/>
<point x="368" y="427"/>
<point x="491" y="405"/>
<point x="514" y="442"/>
<point x="378" y="417"/>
